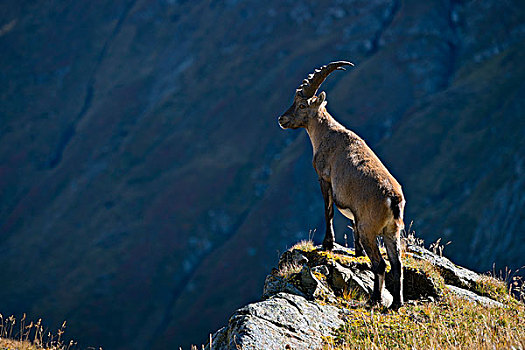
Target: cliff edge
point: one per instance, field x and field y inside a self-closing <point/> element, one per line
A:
<point x="316" y="299"/>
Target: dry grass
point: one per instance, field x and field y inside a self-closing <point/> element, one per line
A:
<point x="491" y="287"/>
<point x="451" y="323"/>
<point x="288" y="270"/>
<point x="23" y="335"/>
<point x="304" y="245"/>
<point x="448" y="323"/>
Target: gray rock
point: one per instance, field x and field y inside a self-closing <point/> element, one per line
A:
<point x="308" y="281"/>
<point x="311" y="285"/>
<point x="455" y="275"/>
<point x="322" y="269"/>
<point x="340" y="276"/>
<point x="294" y="257"/>
<point x="282" y="320"/>
<point x="275" y="284"/>
<point x="305" y="284"/>
<point x="339" y="249"/>
<point x="360" y="281"/>
<point x="416" y="285"/>
<point x="473" y="297"/>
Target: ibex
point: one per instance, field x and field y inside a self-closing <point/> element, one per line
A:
<point x="353" y="178"/>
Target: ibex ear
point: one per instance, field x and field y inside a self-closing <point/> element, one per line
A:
<point x="321" y="98"/>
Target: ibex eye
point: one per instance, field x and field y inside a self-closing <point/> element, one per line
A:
<point x="302" y="106"/>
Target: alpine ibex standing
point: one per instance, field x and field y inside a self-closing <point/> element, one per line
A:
<point x="353" y="178"/>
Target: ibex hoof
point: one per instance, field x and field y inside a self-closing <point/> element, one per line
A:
<point x="328" y="245"/>
<point x="359" y="252"/>
<point x="374" y="303"/>
<point x="395" y="306"/>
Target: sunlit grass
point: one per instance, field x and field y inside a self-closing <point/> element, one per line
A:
<point x="24" y="335"/>
<point x="304" y="245"/>
<point x="451" y="323"/>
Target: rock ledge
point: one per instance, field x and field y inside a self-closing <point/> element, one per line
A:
<point x="306" y="297"/>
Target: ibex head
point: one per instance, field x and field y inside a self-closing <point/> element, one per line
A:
<point x="305" y="103"/>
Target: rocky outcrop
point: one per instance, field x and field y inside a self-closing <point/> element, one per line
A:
<point x="284" y="321"/>
<point x="452" y="273"/>
<point x="473" y="297"/>
<point x="309" y="293"/>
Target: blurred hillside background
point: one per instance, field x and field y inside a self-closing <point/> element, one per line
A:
<point x="146" y="188"/>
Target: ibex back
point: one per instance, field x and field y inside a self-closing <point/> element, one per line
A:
<point x="353" y="178"/>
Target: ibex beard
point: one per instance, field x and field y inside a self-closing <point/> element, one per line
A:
<point x="353" y="179"/>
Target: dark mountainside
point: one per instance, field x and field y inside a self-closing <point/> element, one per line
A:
<point x="146" y="188"/>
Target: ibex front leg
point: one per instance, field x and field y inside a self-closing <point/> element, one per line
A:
<point x="326" y="189"/>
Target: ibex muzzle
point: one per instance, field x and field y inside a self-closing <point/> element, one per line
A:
<point x="353" y="179"/>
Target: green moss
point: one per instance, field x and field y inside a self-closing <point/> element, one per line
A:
<point x="322" y="257"/>
<point x="345" y="260"/>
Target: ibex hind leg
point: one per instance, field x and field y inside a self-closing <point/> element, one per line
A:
<point x="391" y="238"/>
<point x="368" y="239"/>
<point x="358" y="246"/>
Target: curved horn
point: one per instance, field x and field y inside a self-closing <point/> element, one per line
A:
<point x="310" y="85"/>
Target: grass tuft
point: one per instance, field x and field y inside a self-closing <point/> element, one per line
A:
<point x="287" y="271"/>
<point x="492" y="288"/>
<point x="24" y="335"/>
<point x="304" y="245"/>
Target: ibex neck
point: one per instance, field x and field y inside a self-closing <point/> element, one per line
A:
<point x="320" y="126"/>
